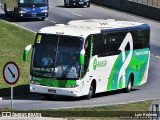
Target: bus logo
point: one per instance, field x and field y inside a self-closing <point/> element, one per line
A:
<point x="97" y="64"/>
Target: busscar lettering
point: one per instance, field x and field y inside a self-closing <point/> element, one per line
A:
<point x="102" y="63"/>
<point x="141" y="53"/>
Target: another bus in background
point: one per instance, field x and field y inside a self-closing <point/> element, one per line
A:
<point x="26" y="8"/>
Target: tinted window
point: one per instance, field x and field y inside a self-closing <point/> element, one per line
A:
<point x="97" y="44"/>
<point x="146" y="38"/>
<point x="138" y="36"/>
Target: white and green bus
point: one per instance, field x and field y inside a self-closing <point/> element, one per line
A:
<point x="85" y="57"/>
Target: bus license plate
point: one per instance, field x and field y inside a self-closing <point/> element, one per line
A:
<point x="81" y="2"/>
<point x="51" y="91"/>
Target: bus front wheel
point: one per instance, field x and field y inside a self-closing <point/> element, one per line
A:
<point x="129" y="85"/>
<point x="88" y="4"/>
<point x="91" y="91"/>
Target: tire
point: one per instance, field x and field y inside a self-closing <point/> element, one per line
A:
<point x="48" y="96"/>
<point x="43" y="18"/>
<point x="129" y="85"/>
<point x="91" y="92"/>
<point x="88" y="4"/>
<point x="5" y="10"/>
<point x="16" y="17"/>
<point x="65" y="3"/>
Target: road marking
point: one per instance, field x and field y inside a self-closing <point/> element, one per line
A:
<point x="53" y="22"/>
<point x="77" y="14"/>
<point x="156" y="56"/>
<point x="50" y="6"/>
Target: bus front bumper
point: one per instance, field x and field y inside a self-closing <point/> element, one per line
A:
<point x="33" y="15"/>
<point x="55" y="90"/>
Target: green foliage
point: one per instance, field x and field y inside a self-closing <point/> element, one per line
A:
<point x="13" y="40"/>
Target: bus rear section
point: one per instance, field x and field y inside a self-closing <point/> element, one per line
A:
<point x="26" y="8"/>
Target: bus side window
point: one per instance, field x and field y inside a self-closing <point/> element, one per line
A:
<point x="97" y="44"/>
<point x="114" y="43"/>
<point x="122" y="36"/>
<point x="138" y="39"/>
<point x="106" y="45"/>
<point x="87" y="48"/>
<point x="146" y="38"/>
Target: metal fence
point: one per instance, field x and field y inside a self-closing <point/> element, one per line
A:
<point x="153" y="3"/>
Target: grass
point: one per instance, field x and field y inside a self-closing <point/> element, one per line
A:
<point x="13" y="40"/>
<point x="94" y="113"/>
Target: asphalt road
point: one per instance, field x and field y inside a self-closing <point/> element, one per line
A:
<point x="60" y="14"/>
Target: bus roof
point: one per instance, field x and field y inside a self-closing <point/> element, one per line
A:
<point x="82" y="28"/>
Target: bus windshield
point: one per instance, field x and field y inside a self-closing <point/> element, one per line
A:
<point x="33" y="2"/>
<point x="56" y="56"/>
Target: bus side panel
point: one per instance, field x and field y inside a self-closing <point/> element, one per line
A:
<point x="113" y="83"/>
<point x="138" y="66"/>
<point x="145" y="77"/>
<point x="100" y="69"/>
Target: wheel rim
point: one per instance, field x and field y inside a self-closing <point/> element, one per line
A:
<point x="91" y="91"/>
<point x="129" y="85"/>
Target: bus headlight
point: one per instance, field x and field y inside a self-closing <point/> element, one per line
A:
<point x="44" y="11"/>
<point x="34" y="82"/>
<point x="22" y="11"/>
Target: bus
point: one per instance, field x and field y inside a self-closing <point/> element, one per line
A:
<point x="72" y="3"/>
<point x="85" y="57"/>
<point x="26" y="8"/>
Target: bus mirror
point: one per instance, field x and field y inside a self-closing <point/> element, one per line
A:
<point x="82" y="56"/>
<point x="26" y="52"/>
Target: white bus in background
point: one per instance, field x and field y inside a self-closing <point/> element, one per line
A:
<point x="85" y="57"/>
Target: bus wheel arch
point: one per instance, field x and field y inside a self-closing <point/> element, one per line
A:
<point x="130" y="83"/>
<point x="92" y="89"/>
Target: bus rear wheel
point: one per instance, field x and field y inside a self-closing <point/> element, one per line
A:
<point x="91" y="91"/>
<point x="129" y="85"/>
